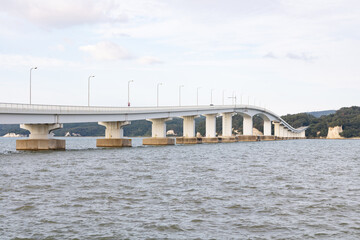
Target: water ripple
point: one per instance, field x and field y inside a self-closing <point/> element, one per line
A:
<point x="262" y="190"/>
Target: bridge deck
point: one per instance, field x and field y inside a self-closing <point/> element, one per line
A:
<point x="13" y="113"/>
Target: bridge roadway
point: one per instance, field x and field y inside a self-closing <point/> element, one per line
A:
<point x="40" y="120"/>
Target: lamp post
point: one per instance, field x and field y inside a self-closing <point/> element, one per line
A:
<point x="30" y="81"/>
<point x="89" y="89"/>
<point x="129" y="91"/>
<point x="197" y="96"/>
<point x="211" y="102"/>
<point x="180" y="94"/>
<point x="223" y="97"/>
<point x="157" y="94"/>
<point x="233" y="97"/>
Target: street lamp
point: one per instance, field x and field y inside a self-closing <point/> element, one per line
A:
<point x="223" y="97"/>
<point x="211" y="102"/>
<point x="89" y="89"/>
<point x="180" y="94"/>
<point x="30" y="81"/>
<point x="129" y="91"/>
<point x="197" y="96"/>
<point x="157" y="94"/>
<point x="233" y="97"/>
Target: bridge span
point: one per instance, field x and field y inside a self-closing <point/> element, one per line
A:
<point x="41" y="120"/>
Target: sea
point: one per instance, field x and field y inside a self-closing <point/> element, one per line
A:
<point x="293" y="189"/>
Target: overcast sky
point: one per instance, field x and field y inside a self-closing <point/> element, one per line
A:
<point x="286" y="55"/>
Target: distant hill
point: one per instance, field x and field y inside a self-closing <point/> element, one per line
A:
<point x="322" y="113"/>
<point x="347" y="117"/>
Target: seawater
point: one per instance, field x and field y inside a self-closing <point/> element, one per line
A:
<point x="295" y="189"/>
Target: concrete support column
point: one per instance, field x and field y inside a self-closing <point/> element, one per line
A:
<point x="276" y="129"/>
<point x="189" y="126"/>
<point x="227" y="124"/>
<point x="114" y="135"/>
<point x="302" y="134"/>
<point x="267" y="131"/>
<point x="210" y="125"/>
<point x="158" y="133"/>
<point x="188" y="131"/>
<point x="227" y="128"/>
<point x="40" y="138"/>
<point x="114" y="129"/>
<point x="286" y="133"/>
<point x="281" y="131"/>
<point x="267" y="127"/>
<point x="40" y="131"/>
<point x="247" y="125"/>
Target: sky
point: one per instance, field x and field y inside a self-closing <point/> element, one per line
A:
<point x="288" y="56"/>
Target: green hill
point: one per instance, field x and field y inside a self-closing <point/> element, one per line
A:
<point x="322" y="113"/>
<point x="347" y="117"/>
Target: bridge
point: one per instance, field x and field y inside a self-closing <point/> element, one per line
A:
<point x="41" y="120"/>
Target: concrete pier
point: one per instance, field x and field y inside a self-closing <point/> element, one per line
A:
<point x="248" y="138"/>
<point x="228" y="139"/>
<point x="227" y="128"/>
<point x="267" y="138"/>
<point x="267" y="127"/>
<point x="114" y="135"/>
<point x="159" y="141"/>
<point x="113" y="142"/>
<point x="40" y="144"/>
<point x="40" y="138"/>
<point x="210" y="139"/>
<point x="158" y="133"/>
<point x="247" y="125"/>
<point x="210" y="125"/>
<point x="276" y="129"/>
<point x="188" y="131"/>
<point x="188" y="140"/>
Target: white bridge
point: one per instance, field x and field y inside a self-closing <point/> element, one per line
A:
<point x="40" y="120"/>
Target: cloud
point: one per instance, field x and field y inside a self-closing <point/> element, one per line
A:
<point x="58" y="47"/>
<point x="269" y="55"/>
<point x="16" y="60"/>
<point x="107" y="51"/>
<point x="60" y="14"/>
<point x="149" y="60"/>
<point x="303" y="56"/>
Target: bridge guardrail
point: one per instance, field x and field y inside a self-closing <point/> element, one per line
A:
<point x="59" y="109"/>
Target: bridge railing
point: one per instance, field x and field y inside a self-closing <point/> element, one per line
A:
<point x="64" y="109"/>
<point x="60" y="109"/>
